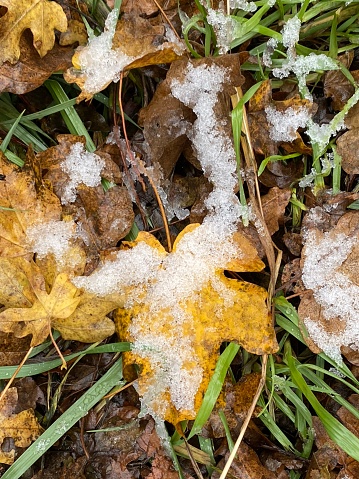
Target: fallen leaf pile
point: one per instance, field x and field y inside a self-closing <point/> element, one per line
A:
<point x="69" y="261"/>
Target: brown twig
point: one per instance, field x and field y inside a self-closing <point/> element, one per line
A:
<point x="167" y="19"/>
<point x="64" y="364"/>
<point x="11" y="380"/>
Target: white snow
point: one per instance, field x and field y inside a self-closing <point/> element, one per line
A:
<point x="81" y="167"/>
<point x="163" y="282"/>
<point x="51" y="237"/>
<point x="290" y="32"/>
<point x="333" y="290"/>
<point x="99" y="63"/>
<point x="243" y="5"/>
<point x="284" y="124"/>
<point x="225" y="28"/>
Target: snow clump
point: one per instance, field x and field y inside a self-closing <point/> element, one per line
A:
<point x="81" y="167"/>
<point x="284" y="124"/>
<point x="99" y="62"/>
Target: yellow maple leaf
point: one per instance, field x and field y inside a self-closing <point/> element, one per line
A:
<point x="75" y="316"/>
<point x="23" y="427"/>
<point x="22" y="205"/>
<point x="177" y="347"/>
<point x="40" y="16"/>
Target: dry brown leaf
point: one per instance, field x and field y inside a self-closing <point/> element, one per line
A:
<point x="348" y="149"/>
<point x="276" y="173"/>
<point x="104" y="217"/>
<point x="246" y="465"/>
<point x="40" y="16"/>
<point x="31" y="71"/>
<point x="209" y="322"/>
<point x="22" y="427"/>
<point x="337" y="86"/>
<point x="330" y="272"/>
<point x="136" y="43"/>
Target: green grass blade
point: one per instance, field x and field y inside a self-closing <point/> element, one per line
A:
<point x="37" y="368"/>
<point x="66" y="421"/>
<point x="336" y="431"/>
<point x="69" y="114"/>
<point x="214" y="388"/>
<point x="10" y="133"/>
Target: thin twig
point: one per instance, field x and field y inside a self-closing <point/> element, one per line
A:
<point x="167" y="19"/>
<point x="11" y="380"/>
<point x="64" y="364"/>
<point x="133" y="161"/>
<point x="248" y="418"/>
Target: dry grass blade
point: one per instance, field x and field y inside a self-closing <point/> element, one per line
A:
<point x="13" y="377"/>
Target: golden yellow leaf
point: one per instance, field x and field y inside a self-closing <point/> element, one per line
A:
<point x="22" y="205"/>
<point x="22" y="428"/>
<point x="60" y="303"/>
<point x="177" y="356"/>
<point x="32" y="310"/>
<point x="40" y="16"/>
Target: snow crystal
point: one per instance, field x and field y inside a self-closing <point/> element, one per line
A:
<point x="337" y="295"/>
<point x="99" y="62"/>
<point x="290" y="32"/>
<point x="320" y="134"/>
<point x="308" y="180"/>
<point x="82" y="167"/>
<point x="51" y="237"/>
<point x="302" y="65"/>
<point x="224" y="27"/>
<point x="243" y="5"/>
<point x="131" y="267"/>
<point x="267" y="54"/>
<point x="284" y="124"/>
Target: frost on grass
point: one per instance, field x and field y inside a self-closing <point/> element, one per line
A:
<point x="284" y="124"/>
<point x="243" y="5"/>
<point x="99" y="62"/>
<point x="290" y="32"/>
<point x="329" y="270"/>
<point x="81" y="167"/>
<point x="165" y="280"/>
<point x="225" y="28"/>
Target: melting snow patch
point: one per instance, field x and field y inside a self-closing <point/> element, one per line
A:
<point x="284" y="124"/>
<point x="99" y="62"/>
<point x="51" y="237"/>
<point x="81" y="167"/>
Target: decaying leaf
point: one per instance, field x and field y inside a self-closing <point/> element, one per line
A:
<point x="22" y="427"/>
<point x="336" y="85"/>
<point x="42" y="17"/>
<point x="330" y="273"/>
<point x="177" y="348"/>
<point x="30" y="71"/>
<point x="274" y="124"/>
<point x="103" y="217"/>
<point x="246" y="465"/>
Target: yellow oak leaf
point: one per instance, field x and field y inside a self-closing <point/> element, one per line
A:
<point x="32" y="310"/>
<point x="22" y="428"/>
<point x="40" y="16"/>
<point x="177" y="346"/>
